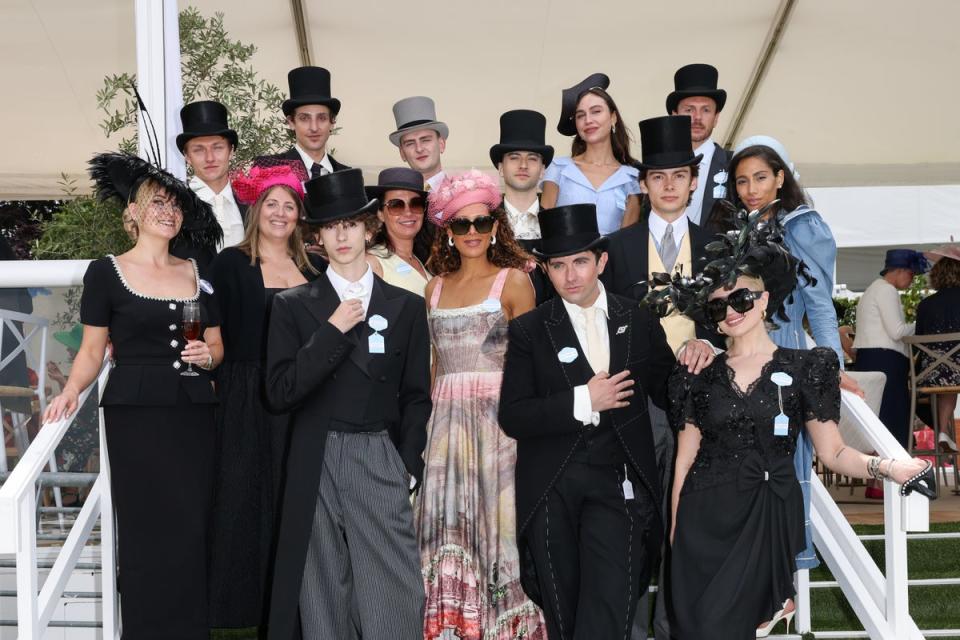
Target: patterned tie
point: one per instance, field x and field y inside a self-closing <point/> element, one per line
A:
<point x="598" y="351"/>
<point x="317" y="170"/>
<point x="668" y="249"/>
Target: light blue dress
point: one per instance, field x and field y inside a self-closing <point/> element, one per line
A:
<point x="610" y="198"/>
<point x="809" y="238"/>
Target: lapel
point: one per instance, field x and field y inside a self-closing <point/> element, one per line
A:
<point x="388" y="308"/>
<point x="337" y="166"/>
<point x="717" y="163"/>
<point x="699" y="238"/>
<point x="620" y="330"/>
<point x="322" y="299"/>
<point x="560" y="331"/>
<point x="638" y="260"/>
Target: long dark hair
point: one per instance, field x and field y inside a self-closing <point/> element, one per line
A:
<point x="422" y="242"/>
<point x="620" y="139"/>
<point x="507" y="253"/>
<point x="791" y="194"/>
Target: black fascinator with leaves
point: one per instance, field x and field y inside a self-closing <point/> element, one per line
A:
<point x="120" y="176"/>
<point x="754" y="247"/>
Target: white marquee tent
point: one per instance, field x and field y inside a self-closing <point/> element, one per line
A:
<point x="862" y="92"/>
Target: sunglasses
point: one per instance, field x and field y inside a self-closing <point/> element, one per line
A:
<point x="740" y="301"/>
<point x="396" y="206"/>
<point x="461" y="226"/>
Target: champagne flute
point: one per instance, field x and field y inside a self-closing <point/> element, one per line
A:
<point x="191" y="329"/>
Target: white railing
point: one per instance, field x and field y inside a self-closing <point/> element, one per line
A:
<point x="18" y="530"/>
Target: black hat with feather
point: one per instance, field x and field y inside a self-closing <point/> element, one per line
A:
<point x="753" y="248"/>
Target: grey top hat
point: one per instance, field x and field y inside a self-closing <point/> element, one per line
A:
<point x="417" y="112"/>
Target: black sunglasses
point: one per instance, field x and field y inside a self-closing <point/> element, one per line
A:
<point x="740" y="300"/>
<point x="461" y="226"/>
<point x="396" y="206"/>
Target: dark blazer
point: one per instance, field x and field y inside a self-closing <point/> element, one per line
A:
<point x="239" y="292"/>
<point x="627" y="268"/>
<point x="542" y="287"/>
<point x="320" y="375"/>
<point x="536" y="402"/>
<point x="292" y="154"/>
<point x="720" y="161"/>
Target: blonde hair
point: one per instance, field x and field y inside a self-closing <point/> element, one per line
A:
<point x="250" y="244"/>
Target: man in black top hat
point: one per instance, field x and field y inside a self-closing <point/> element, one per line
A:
<point x="311" y="115"/>
<point x="208" y="145"/>
<point x="349" y="356"/>
<point x="521" y="157"/>
<point x="578" y="372"/>
<point x="696" y="95"/>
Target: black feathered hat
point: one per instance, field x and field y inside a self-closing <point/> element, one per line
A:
<point x="754" y="248"/>
<point x="120" y="176"/>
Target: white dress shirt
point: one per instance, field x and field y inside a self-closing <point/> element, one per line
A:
<point x="308" y="162"/>
<point x="434" y="181"/>
<point x="582" y="406"/>
<point x="525" y="224"/>
<point x="658" y="227"/>
<point x="703" y="180"/>
<point x="224" y="208"/>
<point x="880" y="319"/>
<point x="340" y="285"/>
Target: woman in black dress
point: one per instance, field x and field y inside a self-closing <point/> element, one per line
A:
<point x="251" y="441"/>
<point x="159" y="423"/>
<point x="737" y="505"/>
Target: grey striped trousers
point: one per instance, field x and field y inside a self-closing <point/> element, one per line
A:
<point x="362" y="576"/>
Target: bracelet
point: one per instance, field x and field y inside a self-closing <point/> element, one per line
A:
<point x="873" y="468"/>
<point x="209" y="363"/>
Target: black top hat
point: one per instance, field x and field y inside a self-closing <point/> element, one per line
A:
<point x="696" y="80"/>
<point x="204" y="118"/>
<point x="522" y="130"/>
<point x="336" y="196"/>
<point x="309" y="85"/>
<point x="571" y="96"/>
<point x="568" y="230"/>
<point x="402" y="178"/>
<point x="666" y="144"/>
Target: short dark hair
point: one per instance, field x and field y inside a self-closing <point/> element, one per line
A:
<point x="596" y="251"/>
<point x="694" y="171"/>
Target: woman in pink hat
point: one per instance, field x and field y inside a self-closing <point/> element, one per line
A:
<point x="465" y="513"/>
<point x="940" y="313"/>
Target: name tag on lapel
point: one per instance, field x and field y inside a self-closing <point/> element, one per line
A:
<point x="375" y="343"/>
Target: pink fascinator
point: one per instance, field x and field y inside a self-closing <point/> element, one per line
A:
<point x="249" y="186"/>
<point x="458" y="191"/>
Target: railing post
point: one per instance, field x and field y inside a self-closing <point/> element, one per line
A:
<point x="802" y="600"/>
<point x="895" y="547"/>
<point x="28" y="583"/>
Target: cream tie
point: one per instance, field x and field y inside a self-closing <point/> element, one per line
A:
<point x="218" y="209"/>
<point x="598" y="351"/>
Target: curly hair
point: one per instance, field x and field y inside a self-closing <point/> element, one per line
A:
<point x="945" y="274"/>
<point x="507" y="253"/>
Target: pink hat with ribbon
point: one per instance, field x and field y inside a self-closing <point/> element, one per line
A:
<point x="249" y="186"/>
<point x="457" y="191"/>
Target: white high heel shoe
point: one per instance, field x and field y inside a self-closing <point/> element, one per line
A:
<point x="947" y="443"/>
<point x="783" y="614"/>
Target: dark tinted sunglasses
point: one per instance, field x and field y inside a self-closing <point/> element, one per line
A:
<point x="461" y="226"/>
<point x="740" y="301"/>
<point x="396" y="206"/>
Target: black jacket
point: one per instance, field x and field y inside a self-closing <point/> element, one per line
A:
<point x="627" y="268"/>
<point x="536" y="401"/>
<point x="721" y="158"/>
<point x="293" y="154"/>
<point x="204" y="257"/>
<point x="320" y="375"/>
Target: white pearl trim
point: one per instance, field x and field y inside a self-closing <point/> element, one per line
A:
<point x="126" y="285"/>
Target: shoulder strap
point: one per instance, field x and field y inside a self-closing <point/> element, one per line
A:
<point x="497" y="289"/>
<point x="435" y="298"/>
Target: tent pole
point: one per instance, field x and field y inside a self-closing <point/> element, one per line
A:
<point x="300" y="28"/>
<point x="777" y="30"/>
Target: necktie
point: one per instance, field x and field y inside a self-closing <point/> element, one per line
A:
<point x="317" y="170"/>
<point x="668" y="249"/>
<point x="598" y="352"/>
<point x="218" y="208"/>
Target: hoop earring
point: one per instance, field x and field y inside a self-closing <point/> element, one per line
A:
<point x="720" y="331"/>
<point x="450" y="240"/>
<point x="613" y="128"/>
<point x="493" y="241"/>
<point x="763" y="314"/>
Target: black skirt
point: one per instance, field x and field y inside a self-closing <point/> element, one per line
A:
<point x="161" y="461"/>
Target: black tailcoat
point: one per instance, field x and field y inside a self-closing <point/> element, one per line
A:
<point x="320" y="375"/>
<point x="628" y="266"/>
<point x="293" y="154"/>
<point x="721" y="158"/>
<point x="536" y="403"/>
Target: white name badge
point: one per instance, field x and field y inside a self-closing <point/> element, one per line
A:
<point x="781" y="426"/>
<point x="781" y="379"/>
<point x="376" y="344"/>
<point x="490" y="305"/>
<point x="377" y="322"/>
<point x="567" y="355"/>
<point x="719" y="192"/>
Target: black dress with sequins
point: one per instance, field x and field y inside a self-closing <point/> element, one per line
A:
<point x="740" y="516"/>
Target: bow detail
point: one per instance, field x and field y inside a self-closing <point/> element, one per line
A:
<point x="778" y="474"/>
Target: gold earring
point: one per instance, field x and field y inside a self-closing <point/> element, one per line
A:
<point x="763" y="314"/>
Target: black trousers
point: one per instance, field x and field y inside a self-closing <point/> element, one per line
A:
<point x="593" y="551"/>
<point x="895" y="405"/>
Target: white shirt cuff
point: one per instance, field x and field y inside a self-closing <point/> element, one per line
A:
<point x="583" y="408"/>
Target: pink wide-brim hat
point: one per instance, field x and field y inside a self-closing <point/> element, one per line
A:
<point x="457" y="191"/>
<point x="951" y="251"/>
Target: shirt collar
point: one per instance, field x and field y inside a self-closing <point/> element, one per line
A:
<point x="576" y="311"/>
<point x="205" y="193"/>
<point x="706" y="149"/>
<point x="340" y="283"/>
<point x="658" y="226"/>
<point x="533" y="209"/>
<point x="435" y="181"/>
<point x="308" y="162"/>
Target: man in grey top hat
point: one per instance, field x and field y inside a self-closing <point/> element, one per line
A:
<point x="420" y="137"/>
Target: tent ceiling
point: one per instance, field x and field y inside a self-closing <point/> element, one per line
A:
<point x="855" y="89"/>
